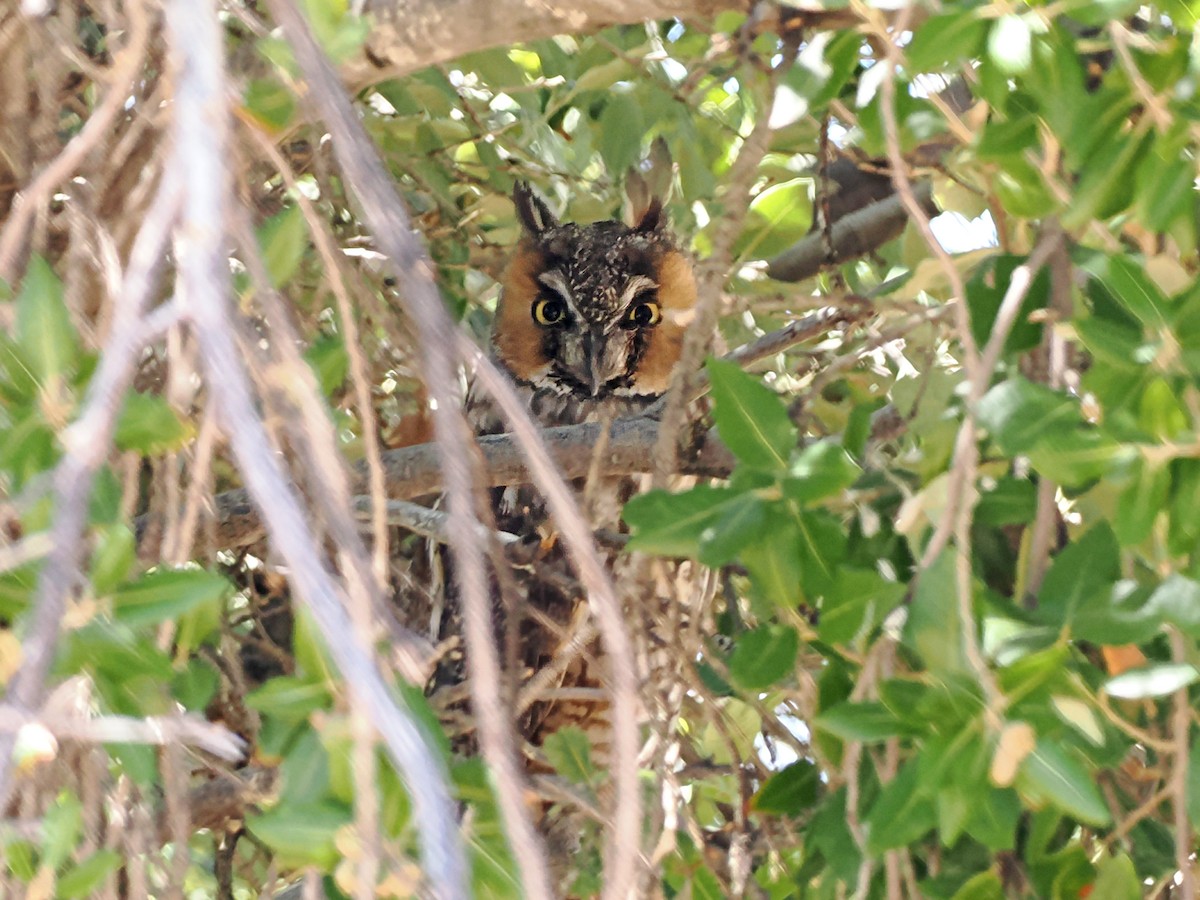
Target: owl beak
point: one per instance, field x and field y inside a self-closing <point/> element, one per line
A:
<point x="593" y="346"/>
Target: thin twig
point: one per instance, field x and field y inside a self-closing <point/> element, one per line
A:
<point x="185" y="729"/>
<point x="711" y="275"/>
<point x="1181" y="733"/>
<point x="127" y="63"/>
<point x="623" y="839"/>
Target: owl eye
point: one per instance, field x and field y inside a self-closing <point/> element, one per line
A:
<point x="643" y="315"/>
<point x="549" y="311"/>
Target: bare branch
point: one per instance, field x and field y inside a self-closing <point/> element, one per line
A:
<point x="186" y="729"/>
<point x="126" y="66"/>
<point x="416" y="471"/>
<point x="410" y="36"/>
<point x="851" y="236"/>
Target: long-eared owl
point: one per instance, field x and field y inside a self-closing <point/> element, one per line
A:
<point x="589" y="325"/>
<point x="591" y="318"/>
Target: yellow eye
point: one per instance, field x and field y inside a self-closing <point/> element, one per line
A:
<point x="549" y="311"/>
<point x="643" y="315"/>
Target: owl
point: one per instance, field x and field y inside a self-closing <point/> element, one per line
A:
<point x="591" y="317"/>
<point x="589" y="325"/>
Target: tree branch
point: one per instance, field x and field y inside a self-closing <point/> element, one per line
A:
<point x="416" y="472"/>
<point x="853" y="235"/>
<point x="410" y="36"/>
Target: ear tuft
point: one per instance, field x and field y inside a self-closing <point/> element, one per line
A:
<point x="651" y="218"/>
<point x="533" y="212"/>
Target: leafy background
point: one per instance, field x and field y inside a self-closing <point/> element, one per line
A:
<point x="1010" y="714"/>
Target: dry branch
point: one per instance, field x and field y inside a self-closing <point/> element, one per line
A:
<point x="410" y="36"/>
<point x="851" y="236"/>
<point x="416" y="472"/>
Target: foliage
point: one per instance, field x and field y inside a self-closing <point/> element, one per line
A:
<point x="1011" y="716"/>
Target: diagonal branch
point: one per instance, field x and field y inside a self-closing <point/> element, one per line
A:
<point x="201" y="129"/>
<point x="383" y="211"/>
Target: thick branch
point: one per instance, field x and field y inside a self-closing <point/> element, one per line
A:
<point x="416" y="471"/>
<point x="411" y="36"/>
<point x="852" y="236"/>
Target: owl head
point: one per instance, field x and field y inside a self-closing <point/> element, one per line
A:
<point x="593" y="311"/>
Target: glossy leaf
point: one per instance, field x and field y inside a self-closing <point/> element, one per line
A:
<point x="764" y="656"/>
<point x="167" y="593"/>
<point x="751" y="420"/>
<point x="1051" y="774"/>
<point x="1152" y="681"/>
<point x="150" y="426"/>
<point x="790" y="791"/>
<point x="45" y="334"/>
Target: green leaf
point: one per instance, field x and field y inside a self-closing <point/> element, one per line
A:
<point x="945" y="39"/>
<point x="1142" y="499"/>
<point x="305" y="771"/>
<point x="1131" y="287"/>
<point x="62" y="826"/>
<point x="166" y="594"/>
<point x="290" y="699"/>
<point x="984" y="886"/>
<point x="150" y="426"/>
<point x="742" y="520"/>
<point x="752" y="421"/>
<point x="860" y="598"/>
<point x="270" y="103"/>
<point x="49" y="344"/>
<point x="301" y="834"/>
<point x="82" y="879"/>
<point x="866" y="722"/>
<point x="1160" y="413"/>
<point x="1177" y="602"/>
<point x="1157" y="680"/>
<point x="820" y="470"/>
<point x="112" y="558"/>
<point x="1080" y="577"/>
<point x="705" y="886"/>
<point x="790" y="791"/>
<point x="776" y="216"/>
<point x="1019" y="413"/>
<point x="1022" y="191"/>
<point x="1116" y="879"/>
<point x="619" y="131"/>
<point x="284" y="240"/>
<point x="1010" y="44"/>
<point x="1010" y="501"/>
<point x="570" y="752"/>
<point x="764" y="656"/>
<point x="774" y="565"/>
<point x="985" y="293"/>
<point x="1075" y="457"/>
<point x="329" y="361"/>
<point x="822" y="547"/>
<point x="673" y="524"/>
<point x="901" y="815"/>
<point x="934" y="627"/>
<point x="1050" y="774"/>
